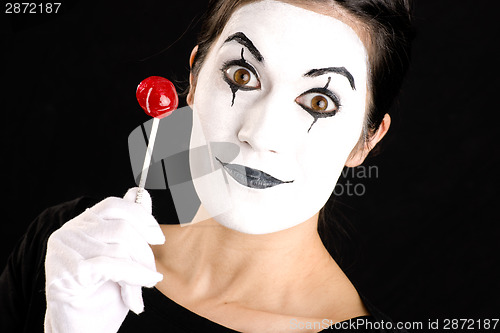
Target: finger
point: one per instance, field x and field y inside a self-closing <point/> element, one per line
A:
<point x="138" y="252"/>
<point x="118" y="209"/>
<point x="126" y="271"/>
<point x="71" y="245"/>
<point x="132" y="297"/>
<point x="117" y="239"/>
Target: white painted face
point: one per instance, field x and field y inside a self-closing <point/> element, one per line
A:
<point x="288" y="86"/>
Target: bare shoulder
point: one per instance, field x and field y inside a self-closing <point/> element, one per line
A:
<point x="331" y="295"/>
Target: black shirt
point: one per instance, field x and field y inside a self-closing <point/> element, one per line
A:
<point x="22" y="290"/>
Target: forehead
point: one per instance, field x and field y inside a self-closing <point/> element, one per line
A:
<point x="298" y="38"/>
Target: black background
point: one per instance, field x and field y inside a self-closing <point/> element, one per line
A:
<point x="424" y="238"/>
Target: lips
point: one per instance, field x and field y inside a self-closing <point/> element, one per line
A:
<point x="249" y="177"/>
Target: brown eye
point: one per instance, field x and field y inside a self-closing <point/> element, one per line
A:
<point x="242" y="77"/>
<point x="319" y="103"/>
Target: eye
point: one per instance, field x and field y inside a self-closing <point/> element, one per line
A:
<point x="319" y="102"/>
<point x="243" y="77"/>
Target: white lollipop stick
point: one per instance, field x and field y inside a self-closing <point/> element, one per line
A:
<point x="158" y="98"/>
<point x="147" y="160"/>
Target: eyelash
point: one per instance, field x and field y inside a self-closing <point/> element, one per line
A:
<point x="240" y="63"/>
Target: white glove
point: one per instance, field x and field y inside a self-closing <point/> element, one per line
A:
<point x="97" y="263"/>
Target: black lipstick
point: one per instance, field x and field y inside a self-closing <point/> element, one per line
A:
<point x="249" y="177"/>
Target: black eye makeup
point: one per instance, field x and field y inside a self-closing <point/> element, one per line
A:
<point x="319" y="103"/>
<point x="240" y="75"/>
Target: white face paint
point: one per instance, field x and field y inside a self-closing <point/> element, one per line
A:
<point x="310" y="62"/>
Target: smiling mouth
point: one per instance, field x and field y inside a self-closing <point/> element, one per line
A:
<point x="249" y="177"/>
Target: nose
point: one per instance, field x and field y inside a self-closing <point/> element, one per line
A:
<point x="270" y="124"/>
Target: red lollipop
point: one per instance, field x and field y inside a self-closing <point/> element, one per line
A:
<point x="157" y="96"/>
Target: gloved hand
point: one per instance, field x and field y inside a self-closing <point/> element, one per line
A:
<point x="97" y="263"/>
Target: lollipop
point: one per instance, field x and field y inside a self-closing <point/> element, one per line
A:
<point x="157" y="96"/>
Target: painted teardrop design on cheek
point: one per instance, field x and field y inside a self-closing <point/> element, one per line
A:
<point x="316" y="117"/>
<point x="314" y="122"/>
<point x="234" y="88"/>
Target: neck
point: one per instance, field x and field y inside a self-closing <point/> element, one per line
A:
<point x="210" y="259"/>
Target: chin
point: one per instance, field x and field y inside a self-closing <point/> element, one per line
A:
<point x="257" y="222"/>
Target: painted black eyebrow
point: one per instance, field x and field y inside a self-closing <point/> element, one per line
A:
<point x="338" y="70"/>
<point x="245" y="41"/>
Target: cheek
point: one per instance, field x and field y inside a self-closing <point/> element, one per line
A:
<point x="322" y="166"/>
<point x="212" y="102"/>
<point x="330" y="144"/>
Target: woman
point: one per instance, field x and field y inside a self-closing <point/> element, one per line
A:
<point x="302" y="91"/>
